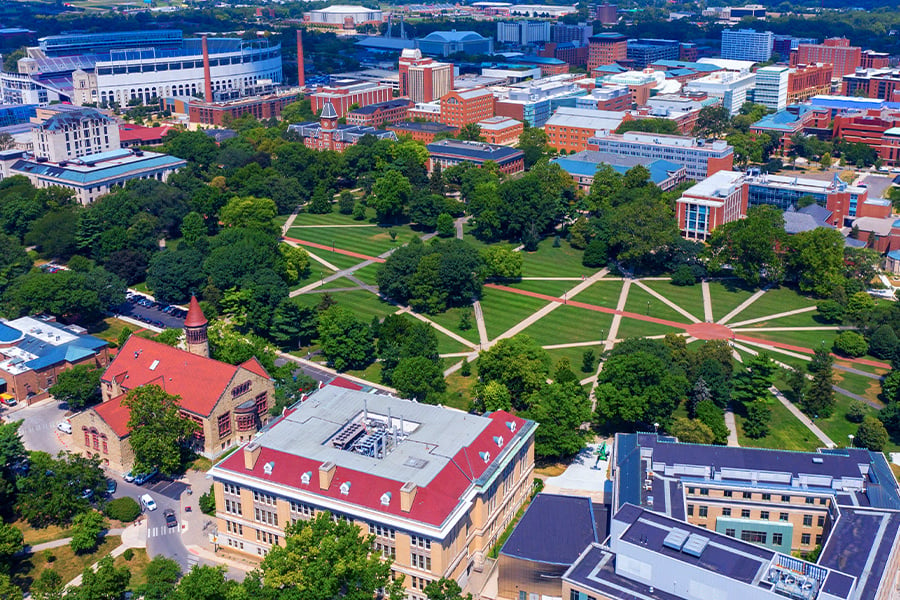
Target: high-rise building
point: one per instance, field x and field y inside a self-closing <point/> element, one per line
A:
<point x="733" y="87"/>
<point x="834" y="51"/>
<point x="562" y="33"/>
<point x="747" y="44"/>
<point x="462" y="107"/>
<point x="782" y="45"/>
<point x="772" y="87"/>
<point x="806" y="81"/>
<point x="606" y="14"/>
<point x="423" y="79"/>
<point x="606" y="49"/>
<point x="873" y="83"/>
<point x="523" y="33"/>
<point x="643" y="52"/>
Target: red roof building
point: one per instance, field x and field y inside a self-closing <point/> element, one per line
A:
<point x="131" y="135"/>
<point x="435" y="486"/>
<point x="834" y="51"/>
<point x="229" y="403"/>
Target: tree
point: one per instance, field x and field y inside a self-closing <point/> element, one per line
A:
<point x="817" y="258"/>
<point x="346" y="341"/>
<point x="12" y="455"/>
<point x="651" y="125"/>
<point x="293" y="264"/>
<point x="8" y="590"/>
<point x="884" y="342"/>
<point x="713" y="417"/>
<point x="859" y="306"/>
<point x="193" y="227"/>
<point x="14" y="260"/>
<point x="641" y="229"/>
<point x="346" y="202"/>
<point x="106" y="583"/>
<point x="560" y="409"/>
<point x="519" y="363"/>
<point x="445" y="226"/>
<point x="87" y="528"/>
<point x="54" y="233"/>
<point x="12" y="541"/>
<point x="754" y="382"/>
<point x="445" y="589"/>
<point x="48" y="586"/>
<point x="249" y="212"/>
<point x="818" y="397"/>
<point x="290" y="390"/>
<point x="850" y="343"/>
<point x="78" y="387"/>
<point x="596" y="254"/>
<point x="712" y="120"/>
<point x="890" y="387"/>
<point x="750" y="246"/>
<point x="825" y="160"/>
<point x="699" y="393"/>
<point x="492" y="396"/>
<point x="564" y="373"/>
<point x="175" y="275"/>
<point x="871" y="434"/>
<point x="204" y="582"/>
<point x="324" y="559"/>
<point x="162" y="576"/>
<point x="691" y="431"/>
<point x="756" y="424"/>
<point x="683" y="276"/>
<point x="125" y="509"/>
<point x="470" y="132"/>
<point x="533" y="144"/>
<point x="321" y="201"/>
<point x="391" y="193"/>
<point x="856" y="412"/>
<point x="830" y="311"/>
<point x="588" y="359"/>
<point x="51" y="493"/>
<point x="158" y="431"/>
<point x="501" y="262"/>
<point x="419" y="378"/>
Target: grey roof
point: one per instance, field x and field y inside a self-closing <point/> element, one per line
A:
<point x="73" y="117"/>
<point x="554" y="529"/>
<point x="372" y="108"/>
<point x="474" y="150"/>
<point x="328" y="111"/>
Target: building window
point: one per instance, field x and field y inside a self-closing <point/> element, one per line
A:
<point x="755" y="537"/>
<point x="704" y="511"/>
<point x="726" y="512"/>
<point x="782" y="516"/>
<point x="230" y="488"/>
<point x="690" y="510"/>
<point x="804" y="539"/>
<point x="240" y="389"/>
<point x="785" y="498"/>
<point x="382" y="531"/>
<point x="262" y="404"/>
<point x="224" y="422"/>
<point x="729" y="532"/>
<point x="304" y="509"/>
<point x="745" y="513"/>
<point x="764" y="515"/>
<point x="819" y="540"/>
<point x="747" y="495"/>
<point x="810" y="500"/>
<point x="419" y="542"/>
<point x="233" y="507"/>
<point x="420" y="561"/>
<point x="807" y="520"/>
<point x="262" y="498"/>
<point x="777" y="539"/>
<point x="268" y="517"/>
<point x="820" y="520"/>
<point x="767" y="497"/>
<point x="704" y="492"/>
<point x="728" y="493"/>
<point x="386" y="550"/>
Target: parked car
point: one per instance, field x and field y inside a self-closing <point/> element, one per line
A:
<point x="8" y="401"/>
<point x="64" y="426"/>
<point x="143" y="478"/>
<point x="128" y="477"/>
<point x="148" y="503"/>
<point x="87" y="493"/>
<point x="111" y="486"/>
<point x="171" y="521"/>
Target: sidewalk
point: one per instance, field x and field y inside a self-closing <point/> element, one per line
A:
<point x="803" y="418"/>
<point x="133" y="536"/>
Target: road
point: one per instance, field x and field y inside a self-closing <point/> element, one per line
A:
<point x="38" y="427"/>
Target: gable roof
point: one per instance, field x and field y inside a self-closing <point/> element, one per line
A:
<point x="198" y="380"/>
<point x="115" y="414"/>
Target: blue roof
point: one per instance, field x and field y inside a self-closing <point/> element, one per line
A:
<point x="555" y="529"/>
<point x="538" y="60"/>
<point x="781" y="120"/>
<point x="895" y="254"/>
<point x="692" y="66"/>
<point x="453" y="36"/>
<point x="48" y="354"/>
<point x="95" y="174"/>
<point x="8" y="334"/>
<point x="660" y="170"/>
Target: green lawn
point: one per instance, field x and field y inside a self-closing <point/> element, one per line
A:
<point x="726" y="296"/>
<point x="837" y="427"/>
<point x="364" y="305"/>
<point x="803" y="339"/>
<point x="601" y="293"/>
<point x="449" y="319"/>
<point x="858" y="384"/>
<point x="25" y="569"/>
<point x="806" y="319"/>
<point x="447" y="345"/>
<point x="371" y="373"/>
<point x="575" y="357"/>
<point x="333" y="218"/>
<point x="638" y="300"/>
<point x="773" y="302"/>
<point x="459" y="389"/>
<point x="340" y="282"/>
<point x="634" y="328"/>
<point x="568" y="324"/>
<point x="341" y="261"/>
<point x="548" y="261"/>
<point x="502" y="310"/>
<point x="550" y="288"/>
<point x="368" y="273"/>
<point x="688" y="297"/>
<point x="370" y="241"/>
<point x="786" y="432"/>
<point x="475" y="242"/>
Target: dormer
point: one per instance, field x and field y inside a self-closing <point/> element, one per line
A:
<point x="485" y="456"/>
<point x="498" y="439"/>
<point x="305" y="478"/>
<point x="345" y="488"/>
<point x="268" y="467"/>
<point x="386" y="499"/>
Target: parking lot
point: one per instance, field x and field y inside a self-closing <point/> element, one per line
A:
<point x="153" y="313"/>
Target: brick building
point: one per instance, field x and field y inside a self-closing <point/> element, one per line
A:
<point x="806" y="81"/>
<point x="460" y="108"/>
<point x="375" y="115"/>
<point x="229" y="403"/>
<point x="716" y="200"/>
<point x="873" y="83"/>
<point x="569" y="129"/>
<point x="874" y="128"/>
<point x="574" y="54"/>
<point x="450" y="153"/>
<point x="261" y="107"/>
<point x="869" y="59"/>
<point x="501" y="130"/>
<point x="614" y="98"/>
<point x="606" y="49"/>
<point x="796" y="118"/>
<point x="35" y="350"/>
<point x="344" y="94"/>
<point x="700" y="158"/>
<point x="834" y="51"/>
<point x="423" y="79"/>
<point x="327" y="134"/>
<point x="419" y="131"/>
<point x="548" y="65"/>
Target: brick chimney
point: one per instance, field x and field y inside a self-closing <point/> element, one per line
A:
<point x="251" y="455"/>
<point x="407" y="496"/>
<point x="301" y="76"/>
<point x="207" y="78"/>
<point x="326" y="474"/>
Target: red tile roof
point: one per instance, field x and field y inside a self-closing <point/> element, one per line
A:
<point x="195" y="317"/>
<point x="129" y="132"/>
<point x="115" y="414"/>
<point x="198" y="380"/>
<point x="342" y="382"/>
<point x="432" y="504"/>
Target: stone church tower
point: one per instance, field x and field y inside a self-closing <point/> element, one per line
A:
<point x="195" y="325"/>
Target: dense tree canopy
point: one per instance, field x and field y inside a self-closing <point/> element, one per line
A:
<point x="158" y="431"/>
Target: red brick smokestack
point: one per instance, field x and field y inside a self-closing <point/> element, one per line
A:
<point x="207" y="78"/>
<point x="301" y="76"/>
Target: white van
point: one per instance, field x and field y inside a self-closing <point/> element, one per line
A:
<point x="148" y="503"/>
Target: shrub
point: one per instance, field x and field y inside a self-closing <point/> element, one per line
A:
<point x="128" y="554"/>
<point x="857" y="412"/>
<point x="587" y="361"/>
<point x="466" y="369"/>
<point x="87" y="529"/>
<point x="123" y="509"/>
<point x="49" y="556"/>
<point x="208" y="503"/>
<point x="850" y="343"/>
<point x="830" y="311"/>
<point x="346" y="203"/>
<point x="596" y="254"/>
<point x="684" y="275"/>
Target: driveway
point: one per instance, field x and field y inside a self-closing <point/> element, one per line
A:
<point x="142" y="313"/>
<point x="877" y="184"/>
<point x="38" y="426"/>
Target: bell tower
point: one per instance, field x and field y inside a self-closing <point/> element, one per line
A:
<point x="195" y="325"/>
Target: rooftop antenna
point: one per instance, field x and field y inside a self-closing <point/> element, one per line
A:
<point x="390" y="425"/>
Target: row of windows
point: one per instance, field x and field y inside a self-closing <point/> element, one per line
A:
<point x="303" y="509"/>
<point x="269" y="517"/>
<point x="189" y="64"/>
<point x="420" y="561"/>
<point x="263" y="498"/>
<point x="418" y="583"/>
<point x="762" y="537"/>
<point x="237" y="528"/>
<point x="387" y="550"/>
<point x="233" y="507"/>
<point x="766" y="497"/>
<point x="419" y="542"/>
<point x="764" y="515"/>
<point x="266" y="537"/>
<point x="382" y="531"/>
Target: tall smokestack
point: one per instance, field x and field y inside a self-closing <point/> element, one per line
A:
<point x="207" y="78"/>
<point x="301" y="77"/>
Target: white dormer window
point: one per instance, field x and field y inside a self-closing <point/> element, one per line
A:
<point x="304" y="479"/>
<point x="386" y="499"/>
<point x="345" y="488"/>
<point x="511" y="425"/>
<point x="498" y="439"/>
<point x="485" y="456"/>
<point x="267" y="468"/>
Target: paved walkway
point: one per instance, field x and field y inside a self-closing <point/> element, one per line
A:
<point x="479" y="323"/>
<point x="732" y="427"/>
<point x="332" y="226"/>
<point x="858" y="372"/>
<point x="742" y="306"/>
<point x="802" y="418"/>
<point x="772" y="317"/>
<point x="707" y="301"/>
<point x="862" y="399"/>
<point x="335" y="250"/>
<point x="667" y="302"/>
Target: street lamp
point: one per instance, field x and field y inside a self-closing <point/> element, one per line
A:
<point x="656" y="428"/>
<point x="851" y="436"/>
<point x="648" y="307"/>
